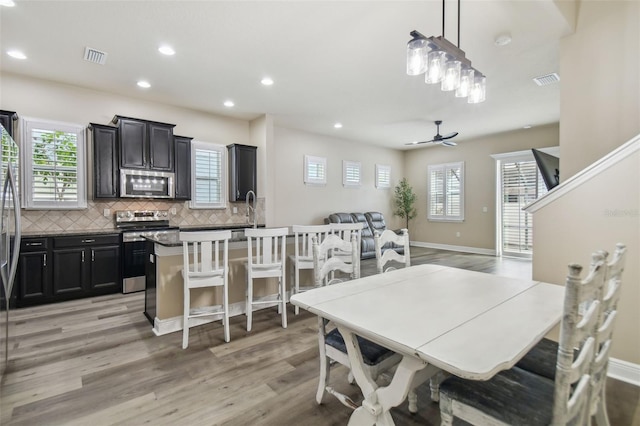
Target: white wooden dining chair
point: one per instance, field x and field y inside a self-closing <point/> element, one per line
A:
<point x="519" y="397"/>
<point x="377" y="359"/>
<point x="541" y="360"/>
<point x="387" y="245"/>
<point x="204" y="266"/>
<point x="344" y="232"/>
<point x="302" y="259"/>
<point x="266" y="258"/>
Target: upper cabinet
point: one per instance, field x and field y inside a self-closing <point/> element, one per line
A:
<point x="6" y="119"/>
<point x="183" y="167"/>
<point x="242" y="171"/>
<point x="105" y="161"/>
<point x="145" y="144"/>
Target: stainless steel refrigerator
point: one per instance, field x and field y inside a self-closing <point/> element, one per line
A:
<point x="9" y="240"/>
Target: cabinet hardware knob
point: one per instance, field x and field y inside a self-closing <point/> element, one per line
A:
<point x="33" y="244"/>
<point x="44" y="260"/>
<point x="83" y="256"/>
<point x="93" y="255"/>
<point x="88" y="241"/>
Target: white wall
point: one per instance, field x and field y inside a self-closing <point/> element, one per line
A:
<point x="600" y="110"/>
<point x="479" y="228"/>
<point x="300" y="204"/>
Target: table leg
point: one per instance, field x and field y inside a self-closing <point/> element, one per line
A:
<point x="379" y="400"/>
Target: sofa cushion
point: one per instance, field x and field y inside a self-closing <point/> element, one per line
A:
<point x="341" y="218"/>
<point x="376" y="221"/>
<point x="367" y="245"/>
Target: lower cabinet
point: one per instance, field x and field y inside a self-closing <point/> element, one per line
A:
<point x="71" y="267"/>
<point x="34" y="273"/>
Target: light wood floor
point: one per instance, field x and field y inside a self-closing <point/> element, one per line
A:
<point x="96" y="362"/>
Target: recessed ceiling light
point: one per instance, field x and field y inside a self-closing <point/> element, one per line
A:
<point x="16" y="54"/>
<point x="166" y="50"/>
<point x="528" y="126"/>
<point x="338" y="125"/>
<point x="144" y="84"/>
<point x="267" y="81"/>
<point x="8" y="3"/>
<point x="229" y="104"/>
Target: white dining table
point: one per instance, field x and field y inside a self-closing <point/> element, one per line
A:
<point x="467" y="323"/>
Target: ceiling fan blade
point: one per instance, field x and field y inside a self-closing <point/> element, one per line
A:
<point x="418" y="143"/>
<point x="449" y="136"/>
<point x="448" y="143"/>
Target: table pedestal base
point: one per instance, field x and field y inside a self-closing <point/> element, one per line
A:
<point x="378" y="401"/>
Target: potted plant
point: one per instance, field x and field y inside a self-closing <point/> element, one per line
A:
<point x="404" y="199"/>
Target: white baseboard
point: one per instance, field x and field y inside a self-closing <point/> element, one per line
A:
<point x="464" y="249"/>
<point x="624" y="371"/>
<point x="171" y="325"/>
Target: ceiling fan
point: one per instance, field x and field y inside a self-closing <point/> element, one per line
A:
<point x="438" y="138"/>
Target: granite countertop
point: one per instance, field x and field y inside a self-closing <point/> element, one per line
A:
<point x="102" y="231"/>
<point x="172" y="238"/>
<point x="59" y="233"/>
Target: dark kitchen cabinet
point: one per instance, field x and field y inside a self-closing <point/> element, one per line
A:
<point x="242" y="171"/>
<point x="34" y="272"/>
<point x="68" y="267"/>
<point x="145" y="144"/>
<point x="6" y="119"/>
<point x="105" y="161"/>
<point x="183" y="167"/>
<point x="88" y="264"/>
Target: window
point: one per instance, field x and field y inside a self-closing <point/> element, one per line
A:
<point x="208" y="176"/>
<point x="54" y="165"/>
<point x="383" y="176"/>
<point x="315" y="170"/>
<point x="351" y="173"/>
<point x="446" y="192"/>
<point x="521" y="184"/>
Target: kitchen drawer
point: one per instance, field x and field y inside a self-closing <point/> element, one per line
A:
<point x="86" y="240"/>
<point x="34" y="244"/>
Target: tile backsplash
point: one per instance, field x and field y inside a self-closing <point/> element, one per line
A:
<point x="93" y="218"/>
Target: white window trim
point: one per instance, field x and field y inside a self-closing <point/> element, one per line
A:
<point x="26" y="158"/>
<point x="346" y="167"/>
<point x="382" y="170"/>
<point x="311" y="160"/>
<point x="193" y="204"/>
<point x="444" y="168"/>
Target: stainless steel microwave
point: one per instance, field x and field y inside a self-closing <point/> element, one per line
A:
<point x="146" y="184"/>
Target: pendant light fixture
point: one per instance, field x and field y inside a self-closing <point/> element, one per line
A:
<point x="443" y="62"/>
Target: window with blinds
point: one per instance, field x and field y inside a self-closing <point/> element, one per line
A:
<point x="315" y="170"/>
<point x="207" y="180"/>
<point x="351" y="173"/>
<point x="383" y="176"/>
<point x="521" y="185"/>
<point x="54" y="165"/>
<point x="445" y="192"/>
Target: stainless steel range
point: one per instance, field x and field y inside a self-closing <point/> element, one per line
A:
<point x="135" y="224"/>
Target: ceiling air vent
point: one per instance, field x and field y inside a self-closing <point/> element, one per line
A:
<point x="545" y="80"/>
<point x="95" y="56"/>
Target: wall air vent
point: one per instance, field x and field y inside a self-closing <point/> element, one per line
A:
<point x="545" y="80"/>
<point x="95" y="56"/>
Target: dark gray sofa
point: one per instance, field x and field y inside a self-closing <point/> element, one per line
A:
<point x="371" y="222"/>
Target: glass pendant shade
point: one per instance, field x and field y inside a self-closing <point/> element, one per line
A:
<point x="478" y="90"/>
<point x="466" y="80"/>
<point x="435" y="66"/>
<point x="417" y="50"/>
<point x="451" y="79"/>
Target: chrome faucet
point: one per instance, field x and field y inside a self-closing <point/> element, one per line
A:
<point x="251" y="209"/>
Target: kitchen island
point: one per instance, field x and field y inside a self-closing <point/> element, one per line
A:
<point x="164" y="291"/>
